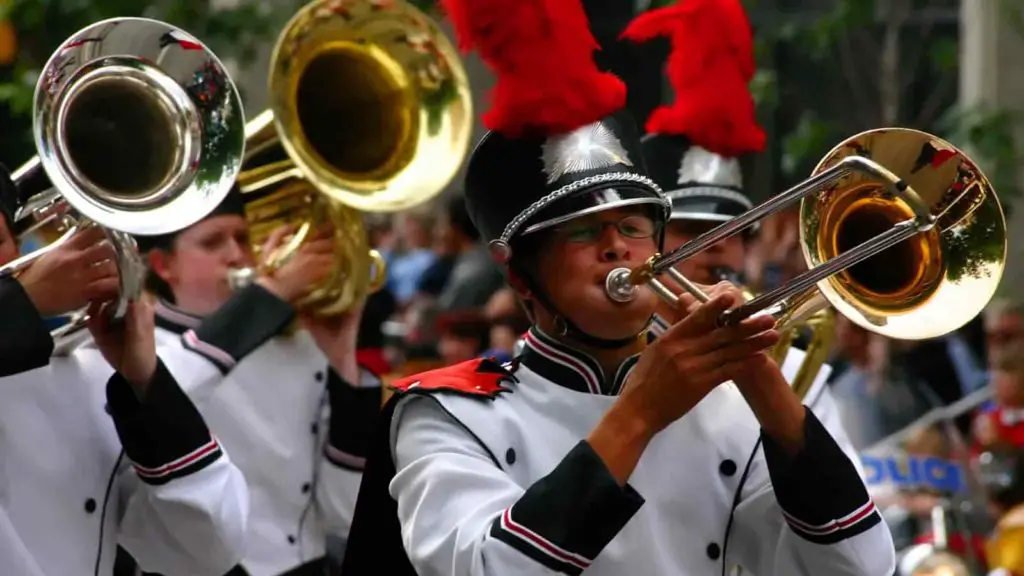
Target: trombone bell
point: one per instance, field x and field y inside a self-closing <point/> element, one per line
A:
<point x="902" y="234"/>
<point x="931" y="283"/>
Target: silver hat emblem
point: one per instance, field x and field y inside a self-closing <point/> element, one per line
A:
<point x="700" y="166"/>
<point x="590" y="147"/>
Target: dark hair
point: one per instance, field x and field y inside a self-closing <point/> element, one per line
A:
<point x="469" y="323"/>
<point x="458" y="218"/>
<point x="154" y="283"/>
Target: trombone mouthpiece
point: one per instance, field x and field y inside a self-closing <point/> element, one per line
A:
<point x="618" y="287"/>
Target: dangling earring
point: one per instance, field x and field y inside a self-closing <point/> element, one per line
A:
<point x="561" y="326"/>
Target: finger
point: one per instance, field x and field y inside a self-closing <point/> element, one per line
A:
<point x="703" y="320"/>
<point x="87" y="236"/>
<point x="727" y="335"/>
<point x="320" y="266"/>
<point x="100" y="271"/>
<point x="322" y="246"/>
<point x="740" y="349"/>
<point x="323" y="232"/>
<point x="102" y="290"/>
<point x="726" y="371"/>
<point x="277" y="237"/>
<point x="97" y="320"/>
<point x="734" y="357"/>
<point x="94" y="253"/>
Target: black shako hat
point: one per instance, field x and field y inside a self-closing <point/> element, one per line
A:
<point x="560" y="144"/>
<point x="517" y="186"/>
<point x="232" y="204"/>
<point x="693" y="144"/>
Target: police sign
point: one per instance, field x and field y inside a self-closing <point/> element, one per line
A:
<point x="914" y="472"/>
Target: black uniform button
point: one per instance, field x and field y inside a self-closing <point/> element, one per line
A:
<point x="291" y="539"/>
<point x="510" y="456"/>
<point x="319" y="375"/>
<point x="727" y="467"/>
<point x="714" y="551"/>
<point x="306" y="488"/>
<point x="90" y="506"/>
<point x="314" y="428"/>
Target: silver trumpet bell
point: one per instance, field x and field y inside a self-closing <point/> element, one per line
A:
<point x="138" y="129"/>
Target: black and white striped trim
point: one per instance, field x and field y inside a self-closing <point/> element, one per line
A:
<point x="658" y="326"/>
<point x="172" y="318"/>
<point x="537" y="547"/>
<point x="222" y="359"/>
<point x="542" y="345"/>
<point x="607" y="179"/>
<point x="836" y="530"/>
<point x="192" y="462"/>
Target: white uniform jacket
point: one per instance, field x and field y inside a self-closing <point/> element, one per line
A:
<point x="85" y="464"/>
<point x="491" y="475"/>
<point x="295" y="429"/>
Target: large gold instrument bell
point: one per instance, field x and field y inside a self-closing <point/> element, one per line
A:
<point x="138" y="129"/>
<point x="902" y="234"/>
<point x="370" y="111"/>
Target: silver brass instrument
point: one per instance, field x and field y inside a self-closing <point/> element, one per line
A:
<point x="140" y="130"/>
<point x="913" y="203"/>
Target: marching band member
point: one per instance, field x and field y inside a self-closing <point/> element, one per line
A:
<point x="596" y="452"/>
<point x="300" y="444"/>
<point x="83" y="466"/>
<point x="65" y="279"/>
<point x="692" y="152"/>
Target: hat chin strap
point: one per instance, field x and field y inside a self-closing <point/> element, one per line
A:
<point x="569" y="328"/>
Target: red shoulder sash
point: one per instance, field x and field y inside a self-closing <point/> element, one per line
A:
<point x="479" y="377"/>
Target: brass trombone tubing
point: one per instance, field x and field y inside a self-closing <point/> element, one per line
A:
<point x="622" y="284"/>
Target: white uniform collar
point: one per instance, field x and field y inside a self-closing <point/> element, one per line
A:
<point x="170" y="317"/>
<point x="569" y="367"/>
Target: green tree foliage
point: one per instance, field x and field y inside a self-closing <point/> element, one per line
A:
<point x="843" y="66"/>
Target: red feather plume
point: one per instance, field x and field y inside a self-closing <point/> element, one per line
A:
<point x="542" y="54"/>
<point x="710" y="66"/>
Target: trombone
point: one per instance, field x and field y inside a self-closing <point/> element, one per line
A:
<point x="138" y="129"/>
<point x="370" y="110"/>
<point x="919" y="208"/>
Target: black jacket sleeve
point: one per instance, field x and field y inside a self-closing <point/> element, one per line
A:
<point x="25" y="342"/>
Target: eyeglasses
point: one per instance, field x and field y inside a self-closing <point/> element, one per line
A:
<point x="632" y="226"/>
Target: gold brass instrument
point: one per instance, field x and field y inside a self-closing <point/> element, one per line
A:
<point x="139" y="129"/>
<point x="371" y="111"/>
<point x="918" y="208"/>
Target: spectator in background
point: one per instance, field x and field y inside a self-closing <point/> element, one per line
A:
<point x="1002" y="423"/>
<point x="876" y="395"/>
<point x="407" y="265"/>
<point x="462" y="335"/>
<point x="474" y="277"/>
<point x="509" y="322"/>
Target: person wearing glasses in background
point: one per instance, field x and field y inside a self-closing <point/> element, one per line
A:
<point x="84" y="466"/>
<point x="595" y="451"/>
<point x="693" y="150"/>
